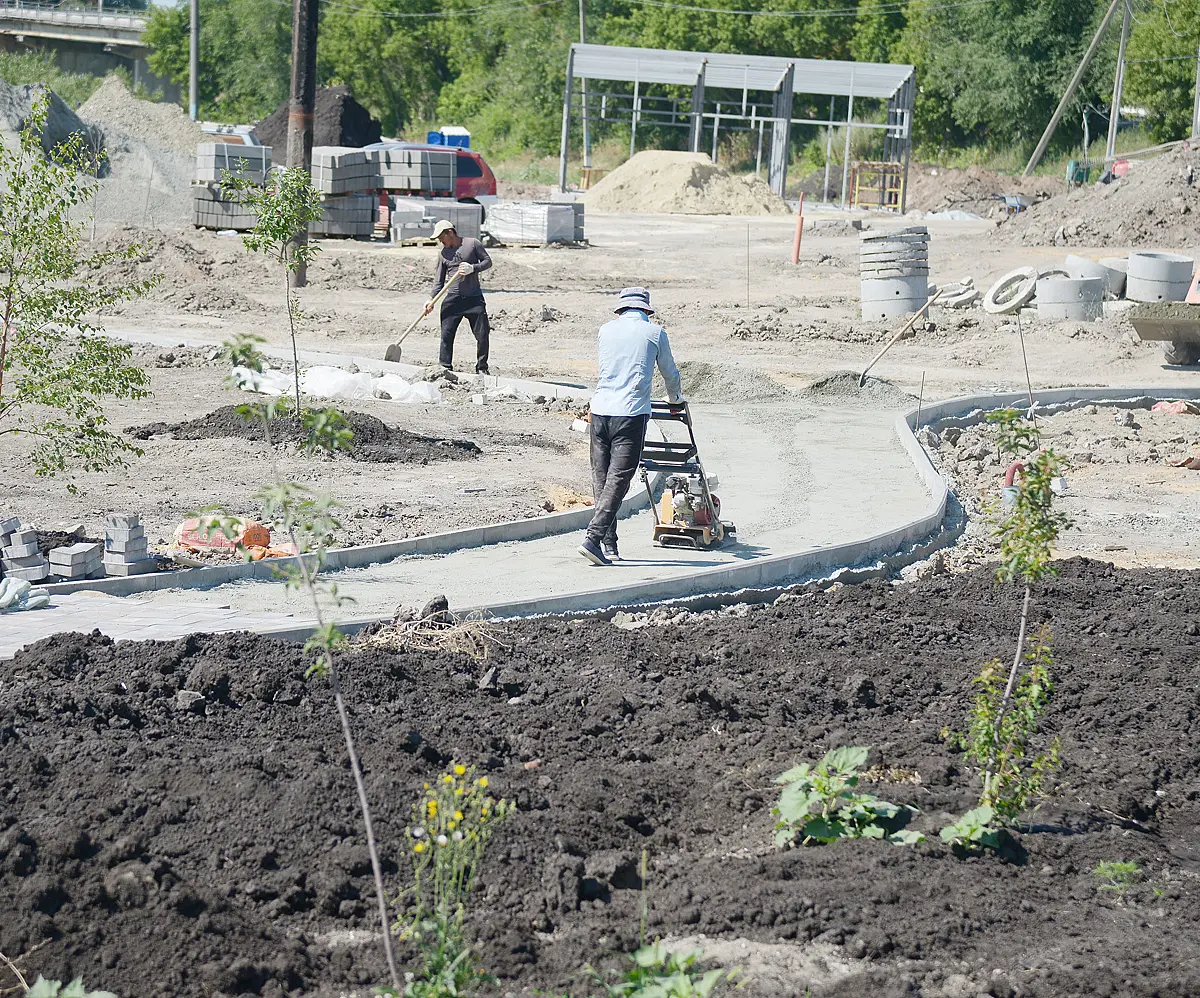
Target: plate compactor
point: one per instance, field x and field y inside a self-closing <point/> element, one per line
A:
<point x="688" y="515"/>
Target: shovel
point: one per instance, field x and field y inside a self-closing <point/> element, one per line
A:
<point x="862" y="378"/>
<point x="393" y="352"/>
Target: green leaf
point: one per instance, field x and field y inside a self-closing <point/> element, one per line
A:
<point x="795" y="774"/>
<point x="43" y="988"/>
<point x="846" y="759"/>
<point x="873" y="832"/>
<point x="795" y="802"/>
<point x="906" y="837"/>
<point x="823" y="830"/>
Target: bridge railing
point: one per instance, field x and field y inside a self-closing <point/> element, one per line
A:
<point x="48" y="12"/>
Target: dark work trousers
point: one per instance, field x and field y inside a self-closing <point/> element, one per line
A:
<point x="616" y="452"/>
<point x="478" y="319"/>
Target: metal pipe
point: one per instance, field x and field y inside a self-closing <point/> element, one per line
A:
<point x="1196" y="102"/>
<point x="716" y="132"/>
<point x="583" y="93"/>
<point x="194" y="61"/>
<point x="846" y="153"/>
<point x="637" y="106"/>
<point x="566" y="120"/>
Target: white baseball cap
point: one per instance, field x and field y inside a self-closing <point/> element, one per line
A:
<point x="443" y="226"/>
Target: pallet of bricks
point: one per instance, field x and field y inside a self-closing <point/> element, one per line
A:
<point x="413" y="219"/>
<point x="535" y="223"/>
<point x="430" y="171"/>
<point x="344" y="175"/>
<point x="210" y="208"/>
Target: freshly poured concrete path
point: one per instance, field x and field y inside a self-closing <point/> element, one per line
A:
<point x="793" y="475"/>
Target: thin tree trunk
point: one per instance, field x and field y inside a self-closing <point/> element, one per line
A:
<point x="359" y="783"/>
<point x="287" y="290"/>
<point x="1012" y="681"/>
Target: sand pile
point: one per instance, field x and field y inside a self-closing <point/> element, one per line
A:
<point x="166" y="126"/>
<point x="682" y="182"/>
<point x="722" y="383"/>
<point x="1157" y="204"/>
<point x="940" y="188"/>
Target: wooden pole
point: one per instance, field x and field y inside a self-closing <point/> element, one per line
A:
<point x="846" y="153"/>
<point x="301" y="105"/>
<point x="583" y="94"/>
<point x="828" y="152"/>
<point x="194" y="61"/>
<point x="1056" y="117"/>
<point x="799" y="230"/>
<point x="1196" y="102"/>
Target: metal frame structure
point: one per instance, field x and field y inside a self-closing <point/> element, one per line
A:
<point x="768" y="86"/>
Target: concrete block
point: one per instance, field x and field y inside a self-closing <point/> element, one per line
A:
<point x="122" y="535"/>
<point x="22" y="560"/>
<point x="9" y="524"/>
<point x="23" y="536"/>
<point x="81" y="571"/>
<point x="142" y="567"/>
<point x="28" y="574"/>
<point x="20" y="550"/>
<point x="128" y="547"/>
<point x="76" y="554"/>
<point x="122" y="521"/>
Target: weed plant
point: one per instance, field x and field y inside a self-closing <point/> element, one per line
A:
<point x="1117" y="875"/>
<point x="43" y="988"/>
<point x="446" y="838"/>
<point x="820" y="804"/>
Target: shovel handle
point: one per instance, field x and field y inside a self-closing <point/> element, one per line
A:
<point x="432" y="305"/>
<point x="862" y="378"/>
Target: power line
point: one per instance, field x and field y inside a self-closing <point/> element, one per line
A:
<point x="884" y="8"/>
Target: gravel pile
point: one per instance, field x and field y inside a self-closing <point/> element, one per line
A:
<point x="163" y="125"/>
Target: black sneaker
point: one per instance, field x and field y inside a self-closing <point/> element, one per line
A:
<point x="610" y="549"/>
<point x="482" y="370"/>
<point x="591" y="551"/>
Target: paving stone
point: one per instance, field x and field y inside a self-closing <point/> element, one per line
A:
<point x="21" y="550"/>
<point x="28" y="574"/>
<point x="76" y="554"/>
<point x="131" y="567"/>
<point x="122" y="521"/>
<point x="8" y="524"/>
<point x="22" y="560"/>
<point x="122" y="535"/>
<point x="131" y="549"/>
<point x="24" y="535"/>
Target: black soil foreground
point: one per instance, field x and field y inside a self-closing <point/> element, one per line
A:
<point x="374" y="440"/>
<point x="161" y="847"/>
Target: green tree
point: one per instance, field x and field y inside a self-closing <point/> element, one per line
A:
<point x="56" y="369"/>
<point x="1168" y="34"/>
<point x="245" y="55"/>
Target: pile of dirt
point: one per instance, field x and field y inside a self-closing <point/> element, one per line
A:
<point x="16" y="103"/>
<point x="210" y="297"/>
<point x="683" y="182"/>
<point x="722" y="383"/>
<point x="160" y="124"/>
<point x="1157" y="204"/>
<point x="980" y="191"/>
<point x="182" y="259"/>
<point x="338" y="120"/>
<point x="841" y="388"/>
<point x="374" y="441"/>
<point x="181" y="812"/>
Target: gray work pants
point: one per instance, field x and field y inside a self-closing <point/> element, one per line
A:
<point x="616" y="451"/>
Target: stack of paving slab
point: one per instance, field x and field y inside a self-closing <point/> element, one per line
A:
<point x="414" y="169"/>
<point x="533" y="223"/>
<point x="77" y="561"/>
<point x="214" y="158"/>
<point x="348" y="215"/>
<point x="414" y="218"/>
<point x="211" y="210"/>
<point x="343" y="170"/>
<point x="20" y="556"/>
<point x="893" y="271"/>
<point x="577" y="207"/>
<point x="126" y="550"/>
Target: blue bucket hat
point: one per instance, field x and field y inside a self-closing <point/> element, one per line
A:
<point x="638" y="298"/>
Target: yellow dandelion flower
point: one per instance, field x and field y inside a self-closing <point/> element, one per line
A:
<point x="447" y="778"/>
<point x="419" y="847"/>
<point x="452" y="825"/>
<point x="482" y="781"/>
<point x="458" y="816"/>
<point x="460" y="769"/>
<point x="426" y="786"/>
<point x="432" y="808"/>
<point x="458" y="791"/>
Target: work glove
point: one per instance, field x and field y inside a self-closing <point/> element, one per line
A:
<point x="465" y="270"/>
<point x="428" y="307"/>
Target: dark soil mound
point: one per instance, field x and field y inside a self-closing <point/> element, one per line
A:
<point x="338" y="120"/>
<point x="374" y="440"/>
<point x="168" y="847"/>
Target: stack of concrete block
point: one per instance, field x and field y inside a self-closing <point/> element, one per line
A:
<point x="414" y="169"/>
<point x="577" y="207"/>
<point x="211" y="210"/>
<point x="19" y="553"/>
<point x="126" y="550"/>
<point x="531" y="223"/>
<point x="352" y="215"/>
<point x="214" y="158"/>
<point x="414" y="218"/>
<point x="77" y="561"/>
<point x="342" y="170"/>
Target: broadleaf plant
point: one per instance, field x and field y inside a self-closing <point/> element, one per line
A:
<point x="820" y="804"/>
<point x="282" y="209"/>
<point x="57" y="369"/>
<point x="43" y="988"/>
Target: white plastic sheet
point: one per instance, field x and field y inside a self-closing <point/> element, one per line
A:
<point x="334" y="383"/>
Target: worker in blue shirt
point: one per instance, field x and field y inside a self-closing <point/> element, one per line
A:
<point x="629" y="348"/>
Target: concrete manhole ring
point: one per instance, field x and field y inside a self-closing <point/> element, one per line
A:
<point x="1013" y="291"/>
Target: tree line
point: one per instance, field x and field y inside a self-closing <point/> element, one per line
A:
<point x="989" y="72"/>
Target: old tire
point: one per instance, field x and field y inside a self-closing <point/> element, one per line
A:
<point x="1176" y="352"/>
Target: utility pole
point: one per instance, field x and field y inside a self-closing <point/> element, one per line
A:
<point x="1114" y="116"/>
<point x="1056" y="117"/>
<point x="303" y="99"/>
<point x="587" y="135"/>
<point x="194" y="62"/>
<point x="1196" y="103"/>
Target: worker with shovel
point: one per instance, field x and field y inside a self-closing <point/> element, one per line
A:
<point x="629" y="348"/>
<point x="460" y="262"/>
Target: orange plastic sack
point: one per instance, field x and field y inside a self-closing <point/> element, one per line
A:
<point x="190" y="535"/>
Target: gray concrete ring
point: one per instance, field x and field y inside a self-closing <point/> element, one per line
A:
<point x="1012" y="292"/>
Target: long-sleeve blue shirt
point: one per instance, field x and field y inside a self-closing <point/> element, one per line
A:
<point x="629" y="347"/>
